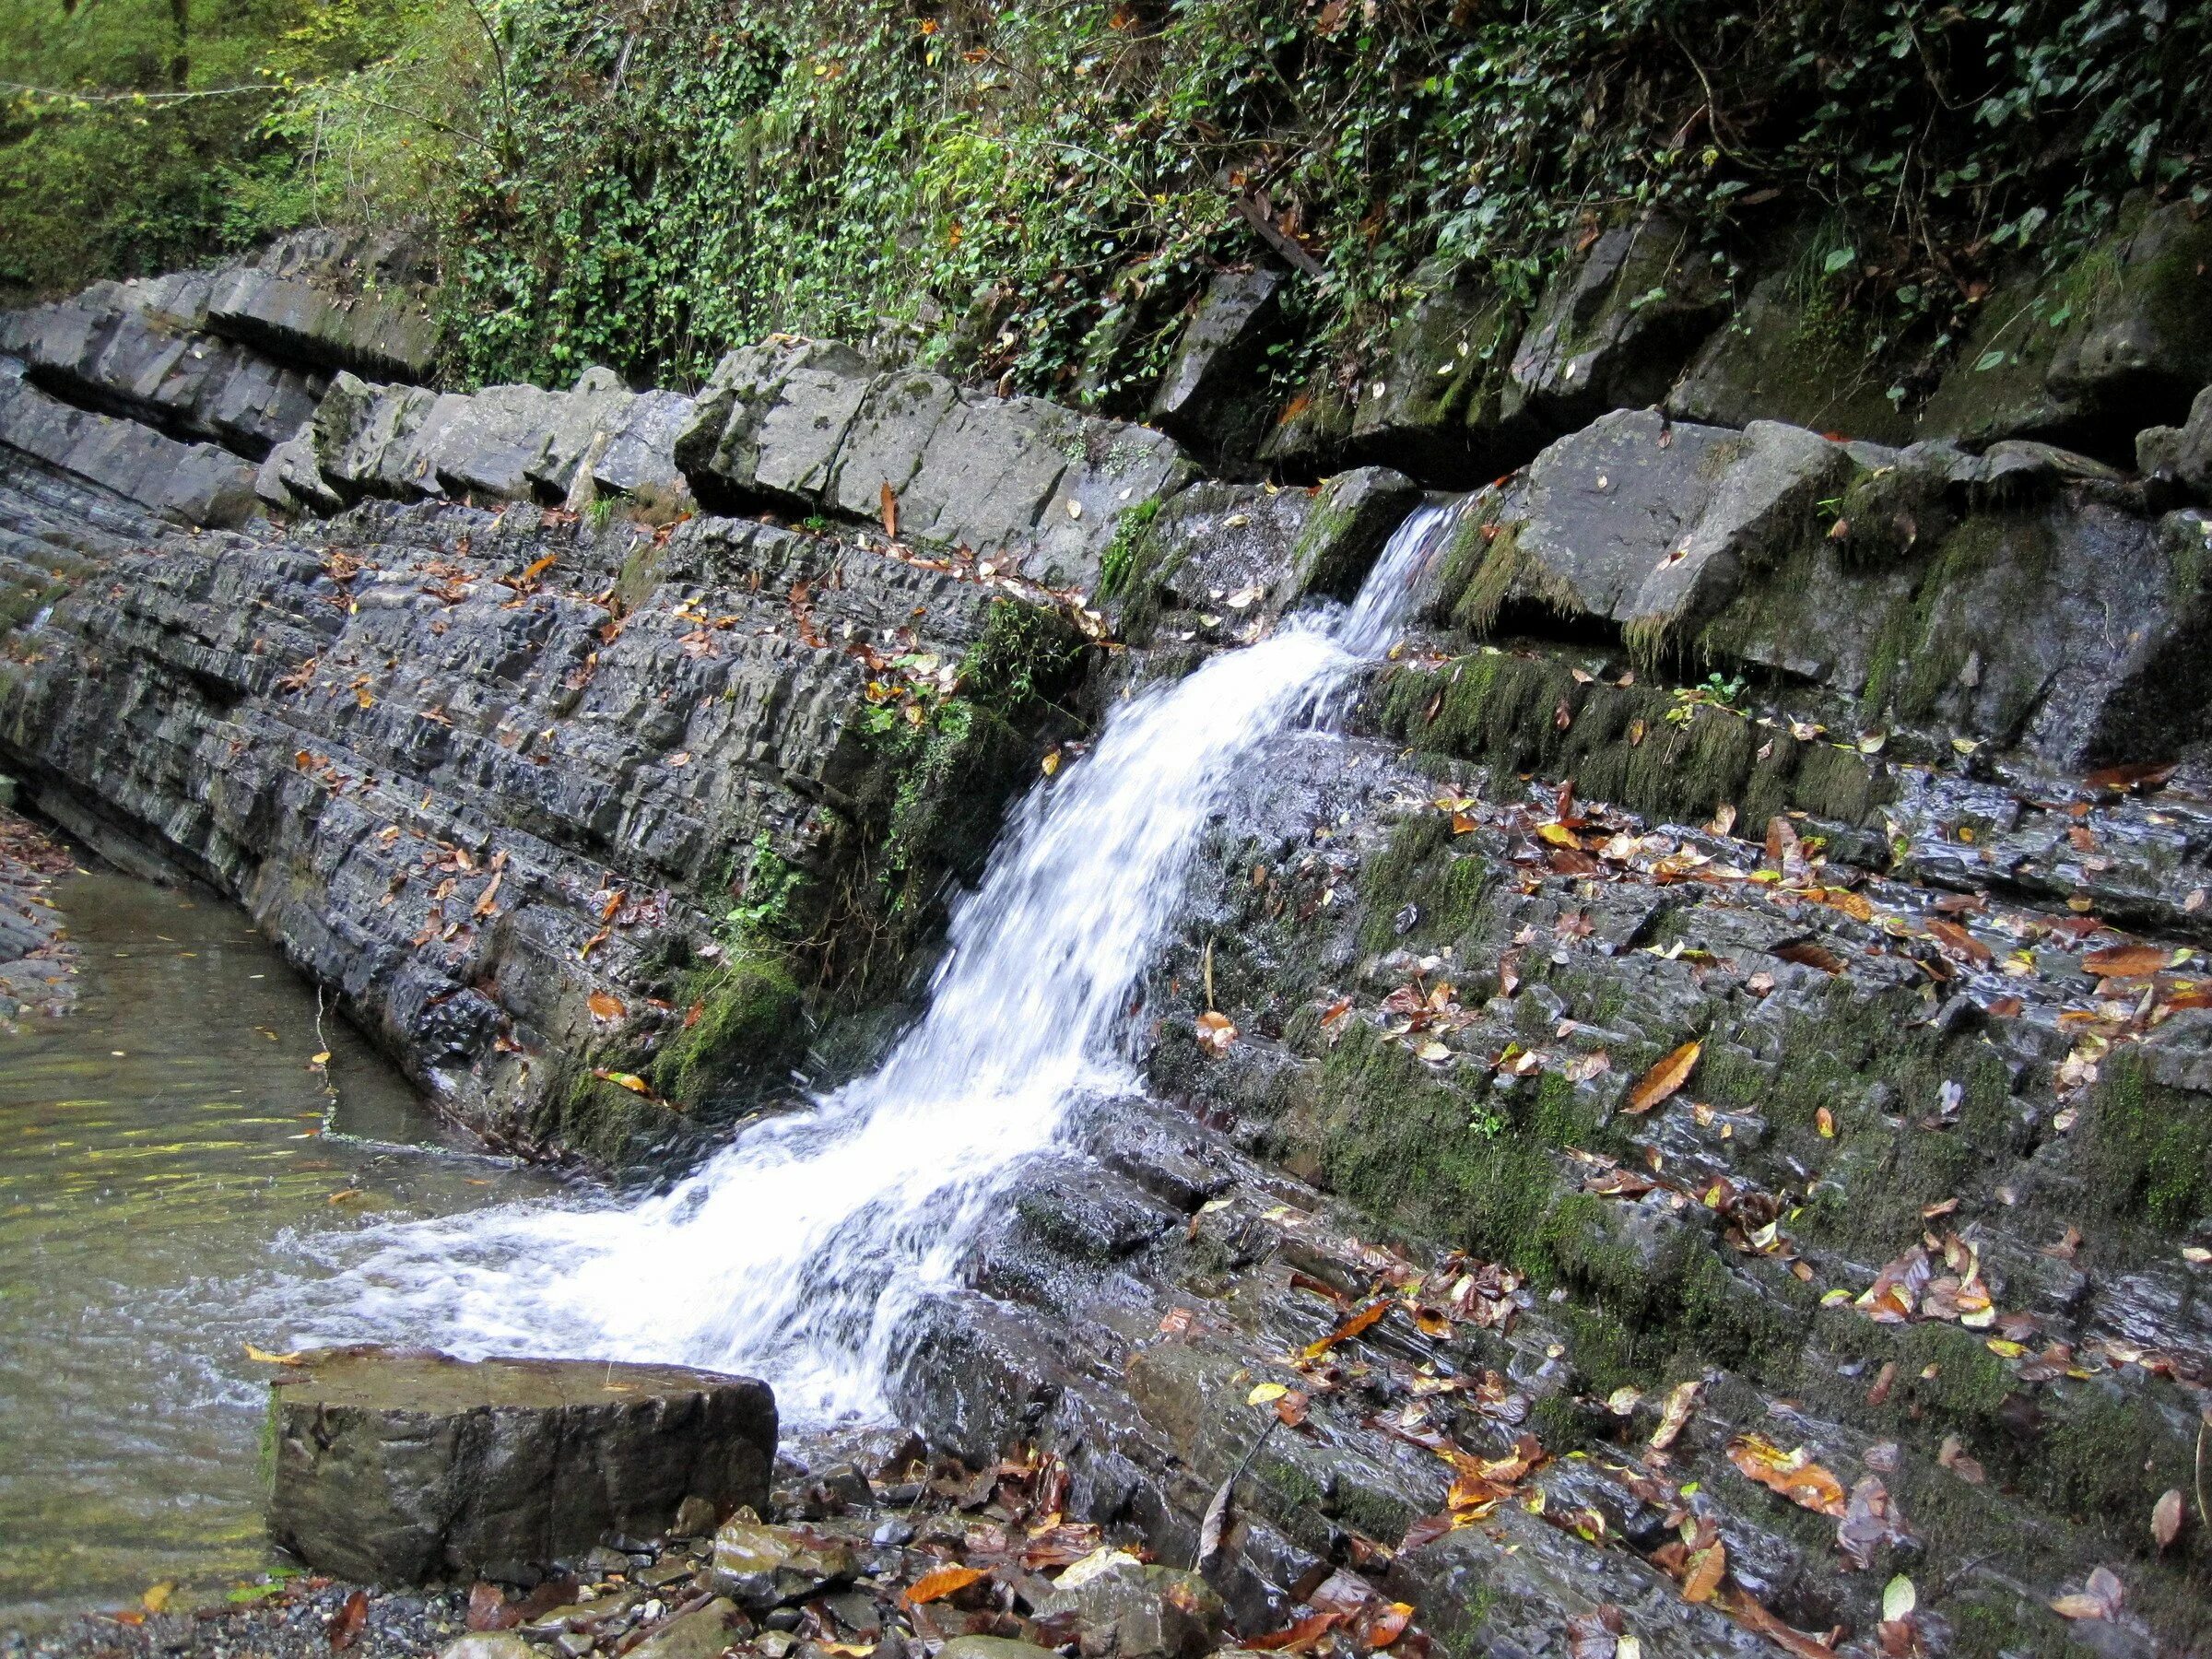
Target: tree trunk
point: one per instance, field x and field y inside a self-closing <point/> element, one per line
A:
<point x="180" y="57"/>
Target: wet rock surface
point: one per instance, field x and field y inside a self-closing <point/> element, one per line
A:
<point x="396" y="1468"/>
<point x="36" y="960"/>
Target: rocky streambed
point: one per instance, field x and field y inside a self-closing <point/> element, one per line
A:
<point x="1674" y="1115"/>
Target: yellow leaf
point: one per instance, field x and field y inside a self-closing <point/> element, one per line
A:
<point x="604" y="1006"/>
<point x="157" y="1598"/>
<point x="262" y="1357"/>
<point x="1705" y="1571"/>
<point x="1679" y="1404"/>
<point x="1264" y="1392"/>
<point x="1351" y="1327"/>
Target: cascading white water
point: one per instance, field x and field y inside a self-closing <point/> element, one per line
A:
<point x="796" y="1251"/>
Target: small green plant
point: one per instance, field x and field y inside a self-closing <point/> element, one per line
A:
<point x="764" y="891"/>
<point x="1715" y="693"/>
<point x="1119" y="564"/>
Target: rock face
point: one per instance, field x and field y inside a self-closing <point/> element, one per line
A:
<point x="2025" y="597"/>
<point x="510" y="443"/>
<point x="501" y="778"/>
<point x="1755" y="747"/>
<point x="341" y="300"/>
<point x="143" y="350"/>
<point x="186" y="483"/>
<point x="1207" y="397"/>
<point x="395" y="1466"/>
<point x="814" y="427"/>
<point x="1474" y="382"/>
<point x="2088" y="357"/>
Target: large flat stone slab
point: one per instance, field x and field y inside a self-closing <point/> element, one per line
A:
<point x="401" y="1465"/>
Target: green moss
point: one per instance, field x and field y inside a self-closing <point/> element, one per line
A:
<point x="1420" y="867"/>
<point x="640" y="574"/>
<point x="1503" y="712"/>
<point x="1496" y="561"/>
<point x="604" y="1123"/>
<point x="939" y="787"/>
<point x="1397" y="1142"/>
<point x="741" y="1019"/>
<point x="2147" y="1150"/>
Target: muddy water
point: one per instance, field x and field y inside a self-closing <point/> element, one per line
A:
<point x="167" y="1158"/>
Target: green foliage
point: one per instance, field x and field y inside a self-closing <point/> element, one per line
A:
<point x="1035" y="190"/>
<point x="764" y="891"/>
<point x="142" y="136"/>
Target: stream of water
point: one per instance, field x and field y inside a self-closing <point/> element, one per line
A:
<point x="797" y="1253"/>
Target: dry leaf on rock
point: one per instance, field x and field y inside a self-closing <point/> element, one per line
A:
<point x="1703" y="1574"/>
<point x="2099" y="1598"/>
<point x="1793" y="1473"/>
<point x="1680" y="1404"/>
<point x="2128" y="961"/>
<point x="1300" y="1637"/>
<point x="2165" y="1517"/>
<point x="944" y="1582"/>
<point x="1351" y="1327"/>
<point x="1870" y="1519"/>
<point x="1663" y="1079"/>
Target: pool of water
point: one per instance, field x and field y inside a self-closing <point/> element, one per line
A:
<point x="167" y="1156"/>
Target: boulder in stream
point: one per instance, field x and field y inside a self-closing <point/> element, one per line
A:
<point x="401" y="1465"/>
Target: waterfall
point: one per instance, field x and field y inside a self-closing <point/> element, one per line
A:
<point x="797" y="1251"/>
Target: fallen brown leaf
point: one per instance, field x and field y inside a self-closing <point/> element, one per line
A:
<point x="944" y="1582"/>
<point x="345" y="1624"/>
<point x="1350" y="1328"/>
<point x="1793" y="1473"/>
<point x="1663" y="1079"/>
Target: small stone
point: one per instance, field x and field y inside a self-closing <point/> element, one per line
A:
<point x="762" y="1567"/>
<point x="699" y="1635"/>
<point x="1139" y="1612"/>
<point x="857" y="1613"/>
<point x="695" y="1518"/>
<point x="574" y="1643"/>
<point x="673" y="1569"/>
<point x="774" y="1644"/>
<point x="993" y="1647"/>
<point x="782" y="1619"/>
<point x="488" y="1645"/>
